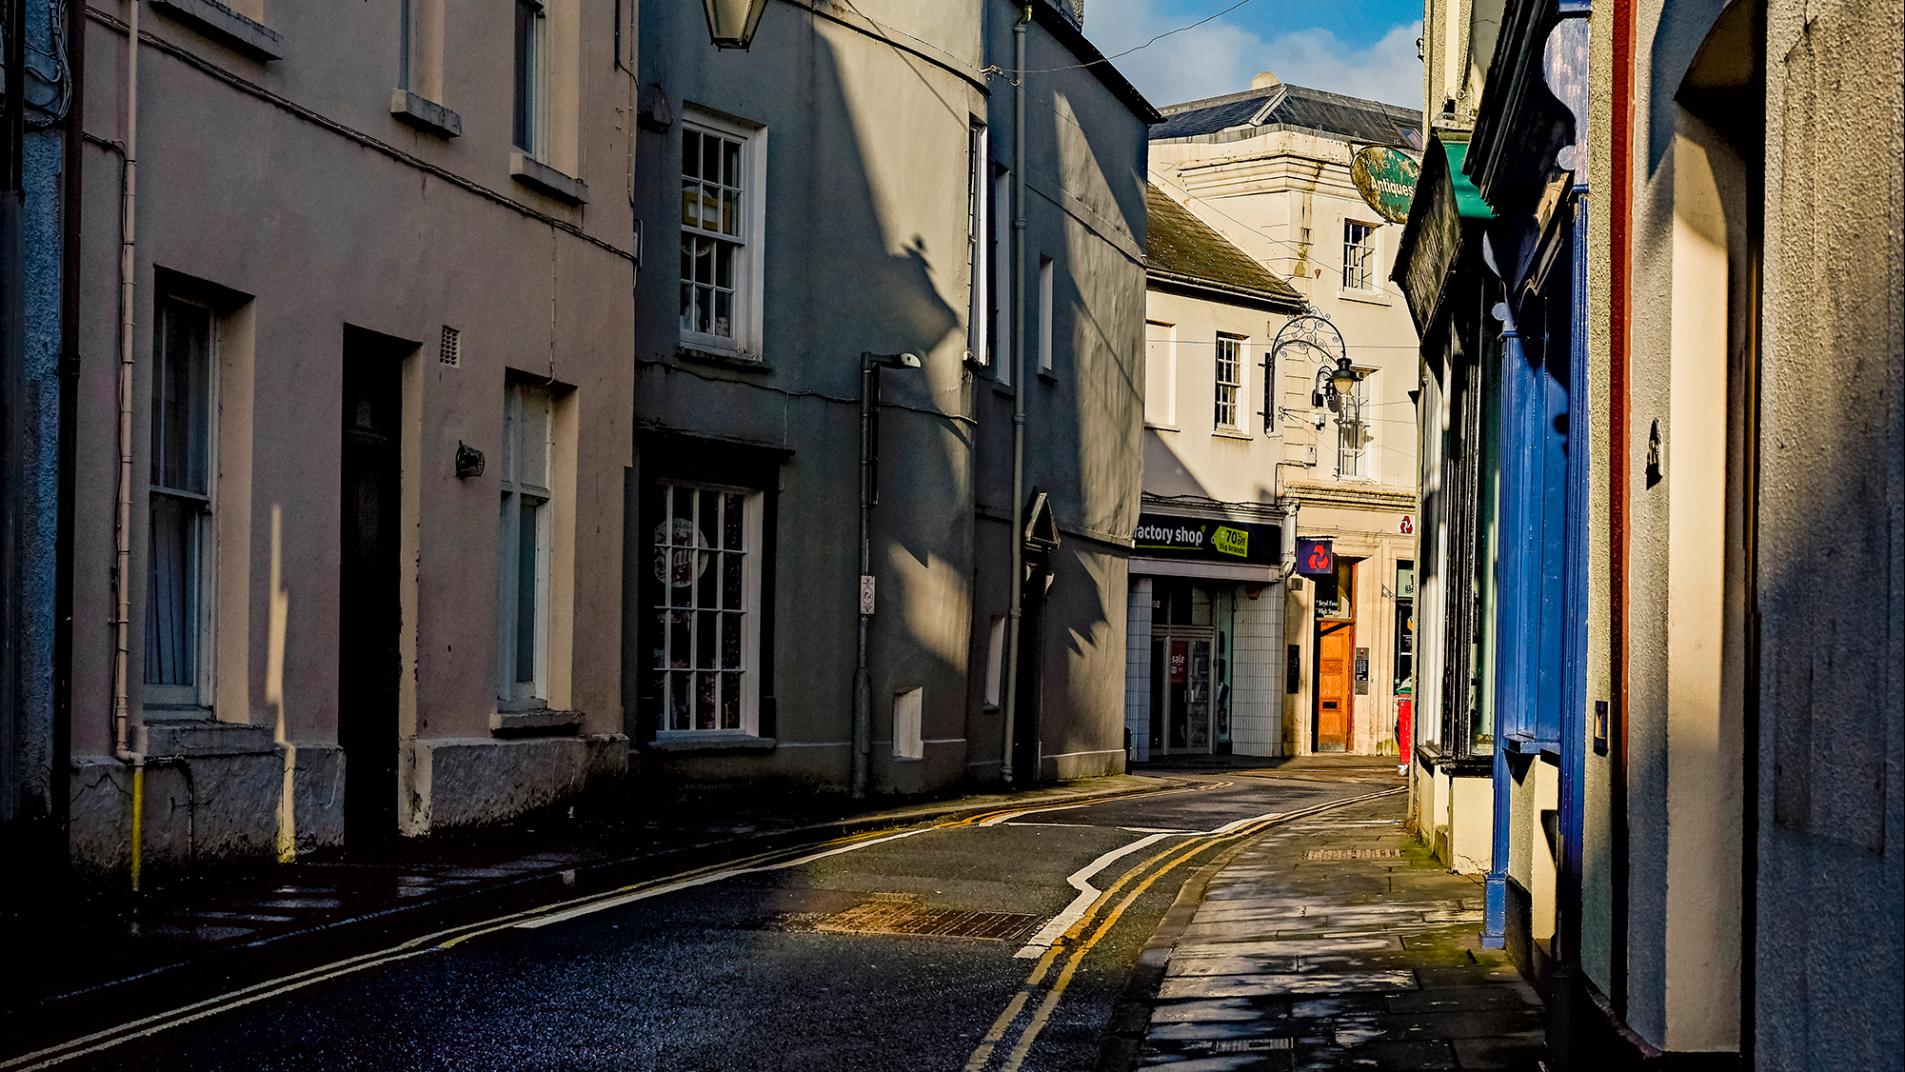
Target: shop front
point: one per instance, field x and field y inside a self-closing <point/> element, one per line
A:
<point x="1204" y="628"/>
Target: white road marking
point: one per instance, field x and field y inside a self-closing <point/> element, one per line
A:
<point x="1087" y="893"/>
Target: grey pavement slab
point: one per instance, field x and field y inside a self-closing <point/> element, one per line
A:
<point x="1338" y="943"/>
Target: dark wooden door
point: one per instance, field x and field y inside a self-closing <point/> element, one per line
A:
<point x="368" y="608"/>
<point x="1335" y="652"/>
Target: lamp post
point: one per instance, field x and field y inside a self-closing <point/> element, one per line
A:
<point x="731" y="23"/>
<point x="870" y="365"/>
<point x="1318" y="339"/>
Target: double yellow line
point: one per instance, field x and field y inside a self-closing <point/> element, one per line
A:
<point x="1139" y="879"/>
<point x="451" y="937"/>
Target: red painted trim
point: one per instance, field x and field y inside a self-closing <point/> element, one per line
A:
<point x="1620" y="222"/>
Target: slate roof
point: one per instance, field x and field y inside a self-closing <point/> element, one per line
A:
<point x="1295" y="107"/>
<point x="1182" y="248"/>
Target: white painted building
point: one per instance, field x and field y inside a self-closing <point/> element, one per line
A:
<point x="1269" y="170"/>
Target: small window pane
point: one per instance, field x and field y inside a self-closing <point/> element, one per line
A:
<point x="731" y="538"/>
<point x="730" y="641"/>
<point x="181" y="399"/>
<point x="730" y="701"/>
<point x="704" y="686"/>
<point x="526" y="563"/>
<point x="172" y="581"/>
<point x="733" y="585"/>
<point x="690" y="205"/>
<point x="681" y="688"/>
<point x="690" y="153"/>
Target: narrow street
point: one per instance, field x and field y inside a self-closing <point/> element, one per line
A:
<point x="927" y="947"/>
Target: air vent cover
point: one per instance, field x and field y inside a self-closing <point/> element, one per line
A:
<point x="450" y="350"/>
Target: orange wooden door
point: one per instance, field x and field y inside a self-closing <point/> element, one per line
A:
<point x="1335" y="648"/>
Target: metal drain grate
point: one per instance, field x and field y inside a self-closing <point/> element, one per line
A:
<point x="1255" y="1045"/>
<point x="906" y="914"/>
<point x="1353" y="854"/>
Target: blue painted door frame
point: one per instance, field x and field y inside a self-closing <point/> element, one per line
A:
<point x="1541" y="573"/>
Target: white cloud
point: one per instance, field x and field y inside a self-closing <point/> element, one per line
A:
<point x="1221" y="56"/>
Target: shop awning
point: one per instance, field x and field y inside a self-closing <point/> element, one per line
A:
<point x="1447" y="207"/>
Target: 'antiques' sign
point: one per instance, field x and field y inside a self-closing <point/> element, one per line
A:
<point x="1206" y="539"/>
<point x="1386" y="178"/>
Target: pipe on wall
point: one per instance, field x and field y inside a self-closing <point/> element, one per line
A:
<point x="1016" y="593"/>
<point x="122" y="512"/>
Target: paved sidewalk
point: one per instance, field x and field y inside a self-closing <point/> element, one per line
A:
<point x="1337" y="943"/>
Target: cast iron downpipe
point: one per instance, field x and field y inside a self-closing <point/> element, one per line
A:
<point x="862" y="678"/>
<point x="1016" y="596"/>
<point x="862" y="760"/>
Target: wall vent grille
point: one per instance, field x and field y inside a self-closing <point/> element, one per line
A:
<point x="450" y="348"/>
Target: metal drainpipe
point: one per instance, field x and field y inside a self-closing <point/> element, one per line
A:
<point x="122" y="516"/>
<point x="74" y="195"/>
<point x="1016" y="593"/>
<point x="862" y="678"/>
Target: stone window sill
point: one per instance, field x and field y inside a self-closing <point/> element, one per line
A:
<point x="540" y="720"/>
<point x="206" y="737"/>
<point x="425" y="114"/>
<point x="711" y="742"/>
<point x="698" y="356"/>
<point x="226" y="26"/>
<point x="537" y="175"/>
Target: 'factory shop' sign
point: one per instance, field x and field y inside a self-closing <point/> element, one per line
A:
<point x="1207" y="540"/>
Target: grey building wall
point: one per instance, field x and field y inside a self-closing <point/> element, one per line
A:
<point x="866" y="115"/>
<point x="287" y="189"/>
<point x="1831" y="875"/>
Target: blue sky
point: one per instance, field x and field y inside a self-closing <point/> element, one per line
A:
<point x="1361" y="47"/>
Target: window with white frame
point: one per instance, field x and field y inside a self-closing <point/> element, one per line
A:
<point x="1229" y="379"/>
<point x="523" y="534"/>
<point x="722" y="216"/>
<point x="1353" y="433"/>
<point x="179" y="541"/>
<point x="978" y="240"/>
<point x="1160" y="374"/>
<point x="530" y="126"/>
<point x="1359" y="255"/>
<point x="706" y="617"/>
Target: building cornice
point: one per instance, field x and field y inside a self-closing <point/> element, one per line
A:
<point x="1359" y="496"/>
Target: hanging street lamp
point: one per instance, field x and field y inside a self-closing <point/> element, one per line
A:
<point x="731" y="23"/>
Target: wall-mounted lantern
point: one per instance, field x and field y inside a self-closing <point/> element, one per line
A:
<point x="731" y="22"/>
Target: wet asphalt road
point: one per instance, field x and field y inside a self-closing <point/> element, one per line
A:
<point x="771" y="969"/>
